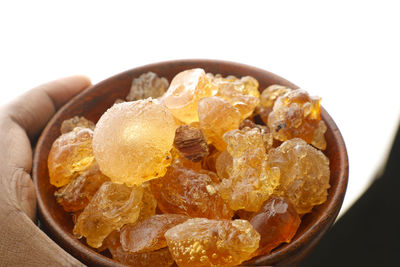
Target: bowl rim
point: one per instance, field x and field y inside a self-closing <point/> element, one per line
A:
<point x="313" y="234"/>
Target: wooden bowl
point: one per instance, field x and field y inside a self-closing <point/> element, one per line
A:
<point x="93" y="102"/>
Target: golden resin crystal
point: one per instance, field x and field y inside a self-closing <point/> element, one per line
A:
<point x="296" y="114"/>
<point x="70" y="154"/>
<point x="241" y="93"/>
<point x="147" y="85"/>
<point x="132" y="141"/>
<point x="191" y="192"/>
<point x="184" y="92"/>
<point x="148" y="235"/>
<point x="159" y="258"/>
<point x="276" y="222"/>
<point x="71" y="124"/>
<point x="304" y="173"/>
<point x="216" y="117"/>
<point x="148" y="204"/>
<point x="113" y="206"/>
<point x="202" y="242"/>
<point x="251" y="181"/>
<point x="76" y="195"/>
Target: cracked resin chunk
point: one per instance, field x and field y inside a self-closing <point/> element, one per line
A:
<point x="184" y="92"/>
<point x="276" y="222"/>
<point x="250" y="180"/>
<point x="241" y="93"/>
<point x="271" y="93"/>
<point x="296" y="114"/>
<point x="147" y="85"/>
<point x="148" y="235"/>
<point x="112" y="206"/>
<point x="69" y="125"/>
<point x="159" y="258"/>
<point x="203" y="242"/>
<point x="267" y="135"/>
<point x="148" y="205"/>
<point x="209" y="162"/>
<point x="216" y="117"/>
<point x="132" y="141"/>
<point x="76" y="195"/>
<point x="304" y="173"/>
<point x="70" y="154"/>
<point x="190" y="192"/>
<point x="223" y="164"/>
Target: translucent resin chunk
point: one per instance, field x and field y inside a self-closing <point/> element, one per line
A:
<point x="296" y="114"/>
<point x="76" y="195"/>
<point x="241" y="93"/>
<point x="112" y="206"/>
<point x="147" y="85"/>
<point x="128" y="143"/>
<point x="216" y="117"/>
<point x="148" y="235"/>
<point x="250" y="181"/>
<point x="185" y="90"/>
<point x="70" y="154"/>
<point x="203" y="242"/>
<point x="69" y="125"/>
<point x="276" y="222"/>
<point x="159" y="258"/>
<point x="190" y="192"/>
<point x="304" y="173"/>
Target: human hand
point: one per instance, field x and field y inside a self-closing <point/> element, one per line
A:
<point x="22" y="243"/>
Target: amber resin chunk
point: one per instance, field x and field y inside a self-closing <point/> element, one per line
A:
<point x="216" y="117"/>
<point x="112" y="206"/>
<point x="241" y="93"/>
<point x="276" y="222"/>
<point x="296" y="114"/>
<point x="76" y="195"/>
<point x="148" y="235"/>
<point x="250" y="181"/>
<point x="191" y="143"/>
<point x="304" y="173"/>
<point x="159" y="258"/>
<point x="223" y="164"/>
<point x="268" y="98"/>
<point x="268" y="137"/>
<point x="69" y="125"/>
<point x="70" y="154"/>
<point x="148" y="204"/>
<point x="210" y="161"/>
<point x="203" y="242"/>
<point x="147" y="85"/>
<point x="190" y="192"/>
<point x="185" y="90"/>
<point x="128" y="142"/>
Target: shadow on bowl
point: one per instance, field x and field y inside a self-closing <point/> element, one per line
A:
<point x="93" y="102"/>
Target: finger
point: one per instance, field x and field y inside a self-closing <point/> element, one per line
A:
<point x="28" y="114"/>
<point x="33" y="109"/>
<point x="24" y="244"/>
<point x="24" y="191"/>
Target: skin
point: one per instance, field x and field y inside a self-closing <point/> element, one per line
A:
<point x="22" y="243"/>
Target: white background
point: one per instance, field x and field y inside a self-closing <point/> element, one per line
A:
<point x="347" y="52"/>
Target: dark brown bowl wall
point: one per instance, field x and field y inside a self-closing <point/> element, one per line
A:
<point x="93" y="102"/>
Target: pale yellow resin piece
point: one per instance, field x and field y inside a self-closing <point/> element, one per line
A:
<point x="184" y="92"/>
<point x="113" y="206"/>
<point x="251" y="181"/>
<point x="132" y="141"/>
<point x="216" y="117"/>
<point x="304" y="173"/>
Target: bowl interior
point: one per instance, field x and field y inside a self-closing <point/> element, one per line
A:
<point x="93" y="102"/>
